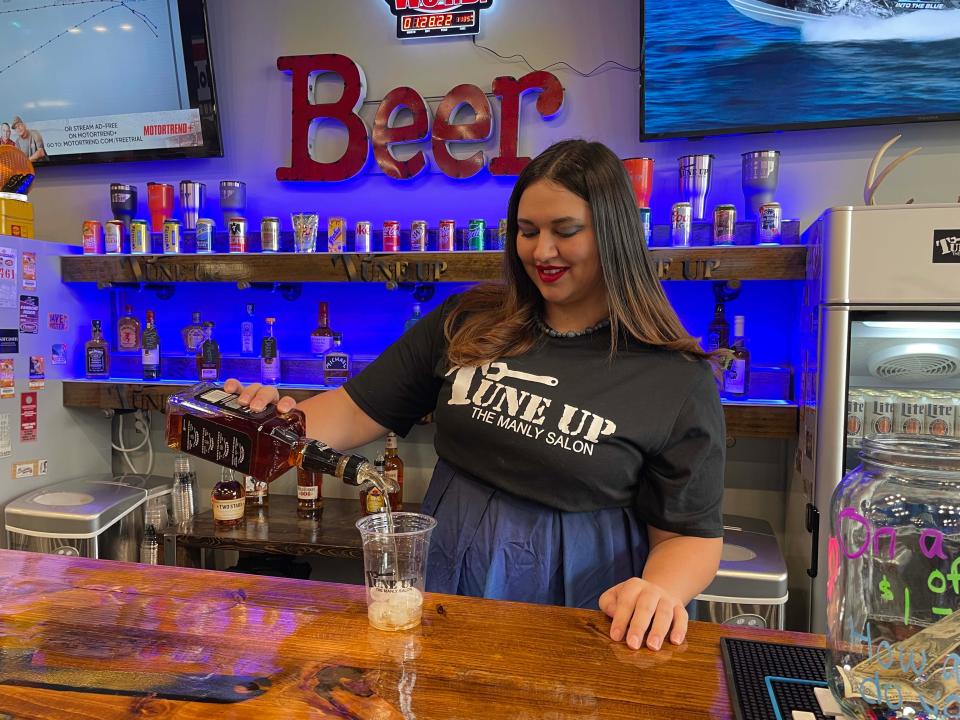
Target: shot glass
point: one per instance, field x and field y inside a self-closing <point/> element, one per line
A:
<point x="304" y="232"/>
<point x="395" y="568"/>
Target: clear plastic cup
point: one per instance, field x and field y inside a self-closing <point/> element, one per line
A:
<point x="395" y="566"/>
<point x="304" y="232"/>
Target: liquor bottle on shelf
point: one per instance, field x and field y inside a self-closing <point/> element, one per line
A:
<point x="309" y="494"/>
<point x="96" y="353"/>
<point x="203" y="421"/>
<point x="371" y="497"/>
<point x="321" y="339"/>
<point x="269" y="356"/>
<point x="128" y="331"/>
<point x="228" y="500"/>
<point x="208" y="355"/>
<point x="393" y="470"/>
<point x="256" y="492"/>
<point x="336" y="364"/>
<point x="413" y="319"/>
<point x="718" y="333"/>
<point x="247" y="331"/>
<point x="737" y="378"/>
<point x="151" y="349"/>
<point x="192" y="335"/>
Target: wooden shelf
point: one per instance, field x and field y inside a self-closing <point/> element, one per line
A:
<point x="749" y="419"/>
<point x="780" y="262"/>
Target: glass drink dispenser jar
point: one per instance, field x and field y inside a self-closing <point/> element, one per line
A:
<point x="894" y="581"/>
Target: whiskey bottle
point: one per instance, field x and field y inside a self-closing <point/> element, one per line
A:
<point x="208" y="355"/>
<point x="227" y="500"/>
<point x="128" y="331"/>
<point x="309" y="494"/>
<point x="96" y="353"/>
<point x="321" y="339"/>
<point x="151" y="349"/>
<point x="209" y="423"/>
<point x="737" y="378"/>
<point x="393" y="470"/>
<point x="246" y="332"/>
<point x="718" y="333"/>
<point x="336" y="364"/>
<point x="269" y="356"/>
<point x="256" y="492"/>
<point x="192" y="335"/>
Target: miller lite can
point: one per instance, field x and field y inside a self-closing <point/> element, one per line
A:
<point x="270" y="235"/>
<point x="769" y="220"/>
<point x="205" y="231"/>
<point x="139" y="237"/>
<point x="446" y="236"/>
<point x="724" y="224"/>
<point x="418" y="236"/>
<point x="878" y="413"/>
<point x="92" y="237"/>
<point x="171" y="237"/>
<point x="113" y="237"/>
<point x="391" y="236"/>
<point x="336" y="234"/>
<point x="363" y="237"/>
<point x="238" y="234"/>
<point x="681" y="224"/>
<point x="855" y="409"/>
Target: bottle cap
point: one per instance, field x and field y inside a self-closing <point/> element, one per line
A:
<point x="150" y="316"/>
<point x="738" y="325"/>
<point x="416" y="308"/>
<point x="249" y="308"/>
<point x="271" y="321"/>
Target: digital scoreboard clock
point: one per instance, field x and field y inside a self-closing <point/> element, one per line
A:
<point x="418" y="19"/>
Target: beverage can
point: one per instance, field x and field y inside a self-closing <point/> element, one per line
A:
<point x="205" y="233"/>
<point x="336" y="234"/>
<point x="645" y="224"/>
<point x="681" y="224"/>
<point x="171" y="237"/>
<point x="270" y="235"/>
<point x="855" y="407"/>
<point x="476" y="235"/>
<point x="501" y="242"/>
<point x="238" y="234"/>
<point x="908" y="415"/>
<point x="391" y="236"/>
<point x="363" y="237"/>
<point x="446" y="235"/>
<point x="418" y="236"/>
<point x="940" y="415"/>
<point x="878" y="413"/>
<point x="769" y="222"/>
<point x="724" y="224"/>
<point x="113" y="237"/>
<point x="92" y="237"/>
<point x="139" y="237"/>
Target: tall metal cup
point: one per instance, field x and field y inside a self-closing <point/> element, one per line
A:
<point x="233" y="199"/>
<point x="761" y="173"/>
<point x="695" y="173"/>
<point x="193" y="196"/>
<point x="123" y="202"/>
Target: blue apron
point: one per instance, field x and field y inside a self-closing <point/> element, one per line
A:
<point x="489" y="543"/>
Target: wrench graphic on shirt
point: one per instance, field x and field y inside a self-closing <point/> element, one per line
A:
<point x="499" y="370"/>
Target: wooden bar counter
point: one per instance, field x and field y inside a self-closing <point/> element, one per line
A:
<point x="83" y="639"/>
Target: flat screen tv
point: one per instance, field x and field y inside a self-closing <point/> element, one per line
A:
<point x="712" y="67"/>
<point x="85" y="81"/>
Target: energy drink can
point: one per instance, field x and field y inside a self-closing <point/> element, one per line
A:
<point x="139" y="237"/>
<point x="645" y="225"/>
<point x="418" y="236"/>
<point x="171" y="237"/>
<point x="336" y="234"/>
<point x="476" y="235"/>
<point x="681" y="224"/>
<point x="270" y="235"/>
<point x="446" y="236"/>
<point x="363" y="237"/>
<point x="769" y="224"/>
<point x="92" y="237"/>
<point x="205" y="232"/>
<point x="238" y="234"/>
<point x="391" y="236"/>
<point x="113" y="237"/>
<point x="724" y="224"/>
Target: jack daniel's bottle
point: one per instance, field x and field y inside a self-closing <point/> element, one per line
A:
<point x="208" y="423"/>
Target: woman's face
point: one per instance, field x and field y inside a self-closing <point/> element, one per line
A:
<point x="557" y="245"/>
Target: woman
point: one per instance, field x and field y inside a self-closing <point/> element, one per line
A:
<point x="578" y="426"/>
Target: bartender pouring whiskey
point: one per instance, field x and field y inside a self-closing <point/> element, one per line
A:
<point x="578" y="425"/>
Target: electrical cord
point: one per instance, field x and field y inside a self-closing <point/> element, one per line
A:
<point x="614" y="65"/>
<point x="126" y="451"/>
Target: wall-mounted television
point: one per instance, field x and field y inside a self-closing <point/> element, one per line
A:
<point x="108" y="80"/>
<point x="728" y="66"/>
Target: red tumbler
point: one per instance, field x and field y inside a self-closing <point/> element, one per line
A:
<point x="160" y="204"/>
<point x="640" y="171"/>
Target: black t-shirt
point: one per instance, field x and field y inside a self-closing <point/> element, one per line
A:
<point x="563" y="425"/>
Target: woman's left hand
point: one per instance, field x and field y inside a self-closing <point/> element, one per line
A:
<point x="639" y="607"/>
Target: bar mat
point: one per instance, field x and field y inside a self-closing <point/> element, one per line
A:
<point x="768" y="681"/>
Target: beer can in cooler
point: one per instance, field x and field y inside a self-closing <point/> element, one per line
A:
<point x="113" y="238"/>
<point x="172" y="244"/>
<point x="139" y="237"/>
<point x="446" y="236"/>
<point x="501" y="241"/>
<point x="205" y="233"/>
<point x="769" y="223"/>
<point x="270" y="235"/>
<point x="681" y="224"/>
<point x="238" y="234"/>
<point x="336" y="234"/>
<point x="724" y="224"/>
<point x="363" y="237"/>
<point x="418" y="236"/>
<point x="909" y="414"/>
<point x="878" y="413"/>
<point x="854" y="418"/>
<point x="476" y="235"/>
<point x="645" y="224"/>
<point x="940" y="416"/>
<point x="391" y="236"/>
<point x="92" y="237"/>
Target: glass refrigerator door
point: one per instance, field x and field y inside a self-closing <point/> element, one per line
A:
<point x="903" y="375"/>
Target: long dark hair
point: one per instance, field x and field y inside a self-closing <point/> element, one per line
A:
<point x="499" y="320"/>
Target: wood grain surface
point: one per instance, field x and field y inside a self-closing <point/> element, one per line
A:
<point x="305" y="650"/>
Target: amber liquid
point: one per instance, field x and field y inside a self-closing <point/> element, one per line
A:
<point x="309" y="484"/>
<point x="393" y="469"/>
<point x="371" y="501"/>
<point x="229" y="492"/>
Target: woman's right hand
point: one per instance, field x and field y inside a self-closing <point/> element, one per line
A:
<point x="258" y="396"/>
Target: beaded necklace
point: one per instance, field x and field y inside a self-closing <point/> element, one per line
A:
<point x="547" y="330"/>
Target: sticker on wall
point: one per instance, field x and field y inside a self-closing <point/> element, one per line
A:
<point x="6" y="447"/>
<point x="29" y="314"/>
<point x="28" y="469"/>
<point x="28" y="417"/>
<point x="37" y="372"/>
<point x="9" y="341"/>
<point x="58" y="354"/>
<point x="6" y="378"/>
<point x="57" y="321"/>
<point x="29" y="269"/>
<point x="8" y="277"/>
<point x="946" y="246"/>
